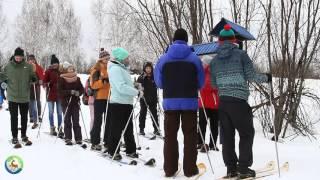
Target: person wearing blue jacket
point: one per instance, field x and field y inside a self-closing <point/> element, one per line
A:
<point x="121" y="104"/>
<point x="179" y="72"/>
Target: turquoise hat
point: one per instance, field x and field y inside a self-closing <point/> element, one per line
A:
<point x="120" y="54"/>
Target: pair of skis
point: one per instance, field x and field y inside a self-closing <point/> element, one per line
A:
<point x="132" y="161"/>
<point x="268" y="170"/>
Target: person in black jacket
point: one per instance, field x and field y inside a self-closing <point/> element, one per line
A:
<point x="150" y="94"/>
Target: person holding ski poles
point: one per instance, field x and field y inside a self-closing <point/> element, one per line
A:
<point x="150" y="100"/>
<point x="180" y="74"/>
<point x="208" y="108"/>
<point x="231" y="70"/>
<point x="121" y="105"/>
<point x="51" y="81"/>
<point x="70" y="89"/>
<point x="99" y="82"/>
<point x="35" y="92"/>
<point x="18" y="75"/>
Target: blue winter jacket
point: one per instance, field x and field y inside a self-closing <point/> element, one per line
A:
<point x="180" y="74"/>
<point x="122" y="88"/>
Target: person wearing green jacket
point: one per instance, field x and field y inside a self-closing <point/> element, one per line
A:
<point x="18" y="76"/>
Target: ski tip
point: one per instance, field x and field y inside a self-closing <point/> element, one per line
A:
<point x="271" y="164"/>
<point x="133" y="162"/>
<point x="286" y="166"/>
<point x="201" y="166"/>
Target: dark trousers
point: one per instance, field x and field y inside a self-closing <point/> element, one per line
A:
<point x="213" y="117"/>
<point x="236" y="114"/>
<point x="118" y="120"/>
<point x="71" y="121"/>
<point x="171" y="148"/>
<point x="14" y="108"/>
<point x="95" y="133"/>
<point x="143" y="114"/>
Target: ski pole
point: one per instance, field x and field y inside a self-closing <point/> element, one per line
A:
<point x="207" y="153"/>
<point x="106" y="114"/>
<point x="84" y="125"/>
<point x="148" y="108"/>
<point x="35" y="97"/>
<point x="275" y="133"/>
<point x="208" y="122"/>
<point x="64" y="116"/>
<point x="124" y="130"/>
<point x="135" y="125"/>
<point x="45" y="105"/>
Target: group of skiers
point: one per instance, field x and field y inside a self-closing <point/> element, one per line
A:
<point x="215" y="88"/>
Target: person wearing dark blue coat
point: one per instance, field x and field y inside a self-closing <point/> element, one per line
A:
<point x="179" y="72"/>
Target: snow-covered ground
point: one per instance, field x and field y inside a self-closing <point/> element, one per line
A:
<point x="50" y="159"/>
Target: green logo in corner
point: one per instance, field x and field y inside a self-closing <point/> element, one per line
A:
<point x="14" y="164"/>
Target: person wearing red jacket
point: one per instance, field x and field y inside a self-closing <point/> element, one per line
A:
<point x="51" y="80"/>
<point x="210" y="105"/>
<point x="35" y="103"/>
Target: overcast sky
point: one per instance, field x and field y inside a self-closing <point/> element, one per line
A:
<point x="12" y="8"/>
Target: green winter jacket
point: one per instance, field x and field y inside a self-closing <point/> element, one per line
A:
<point x="18" y="77"/>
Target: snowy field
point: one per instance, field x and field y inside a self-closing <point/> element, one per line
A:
<point x="50" y="159"/>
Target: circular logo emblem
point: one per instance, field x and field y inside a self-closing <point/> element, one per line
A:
<point x="14" y="164"/>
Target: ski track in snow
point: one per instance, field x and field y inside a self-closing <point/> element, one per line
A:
<point x="50" y="159"/>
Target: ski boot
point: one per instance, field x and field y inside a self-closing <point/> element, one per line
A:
<point x="142" y="133"/>
<point x="68" y="142"/>
<point x="34" y="126"/>
<point x="96" y="147"/>
<point x="246" y="173"/>
<point x="53" y="131"/>
<point x="133" y="155"/>
<point x="16" y="143"/>
<point x="60" y="133"/>
<point x="26" y="141"/>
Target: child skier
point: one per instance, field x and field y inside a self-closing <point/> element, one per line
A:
<point x="150" y="99"/>
<point x="70" y="89"/>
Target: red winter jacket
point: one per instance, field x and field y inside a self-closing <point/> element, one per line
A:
<point x="51" y="79"/>
<point x="209" y="94"/>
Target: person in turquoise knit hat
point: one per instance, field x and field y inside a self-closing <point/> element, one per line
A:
<point x="231" y="70"/>
<point x="121" y="104"/>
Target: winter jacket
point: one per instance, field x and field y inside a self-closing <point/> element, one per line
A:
<point x="208" y="93"/>
<point x="180" y="74"/>
<point x="19" y="77"/>
<point x="149" y="86"/>
<point x="231" y="70"/>
<point x="51" y="79"/>
<point x="122" y="88"/>
<point x="66" y="83"/>
<point x="99" y="81"/>
<point x="40" y="75"/>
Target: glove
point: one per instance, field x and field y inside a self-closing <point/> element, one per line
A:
<point x="75" y="93"/>
<point x="34" y="79"/>
<point x="269" y="75"/>
<point x="140" y="94"/>
<point x="138" y="86"/>
<point x="4" y="85"/>
<point x="105" y="80"/>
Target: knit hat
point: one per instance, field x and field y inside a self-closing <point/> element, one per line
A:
<point x="19" y="52"/>
<point x="226" y="33"/>
<point x="66" y="65"/>
<point x="54" y="60"/>
<point x="119" y="54"/>
<point x="103" y="53"/>
<point x="180" y="34"/>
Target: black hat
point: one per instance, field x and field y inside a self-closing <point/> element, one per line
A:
<point x="180" y="34"/>
<point x="54" y="60"/>
<point x="19" y="52"/>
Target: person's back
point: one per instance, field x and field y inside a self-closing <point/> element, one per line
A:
<point x="231" y="70"/>
<point x="180" y="74"/>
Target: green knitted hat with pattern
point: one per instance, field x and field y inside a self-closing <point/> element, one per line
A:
<point x="226" y="33"/>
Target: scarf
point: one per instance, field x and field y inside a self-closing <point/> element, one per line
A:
<point x="70" y="77"/>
